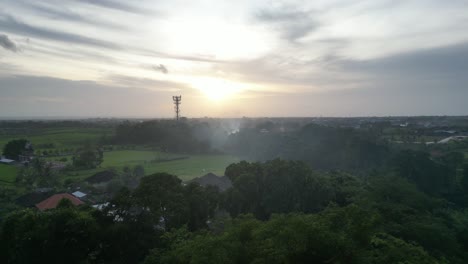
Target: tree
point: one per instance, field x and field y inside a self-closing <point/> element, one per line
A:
<point x="14" y="148"/>
<point x="89" y="158"/>
<point x="430" y="176"/>
<point x="337" y="235"/>
<point x="276" y="186"/>
<point x="202" y="203"/>
<point x="464" y="181"/>
<point x="64" y="235"/>
<point x="38" y="173"/>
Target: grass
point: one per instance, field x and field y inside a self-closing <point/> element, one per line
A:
<point x="194" y="166"/>
<point x="188" y="168"/>
<point x="7" y="174"/>
<point x="66" y="138"/>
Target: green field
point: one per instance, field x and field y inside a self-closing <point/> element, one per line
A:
<point x="65" y="138"/>
<point x="190" y="167"/>
<point x="7" y="174"/>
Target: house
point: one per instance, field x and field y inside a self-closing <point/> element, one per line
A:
<point x="223" y="182"/>
<point x="53" y="201"/>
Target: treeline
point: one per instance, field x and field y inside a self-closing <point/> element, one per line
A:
<point x="276" y="212"/>
<point x="167" y="135"/>
<point x="51" y="124"/>
<point x="320" y="146"/>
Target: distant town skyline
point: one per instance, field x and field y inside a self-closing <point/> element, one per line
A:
<point x="115" y="58"/>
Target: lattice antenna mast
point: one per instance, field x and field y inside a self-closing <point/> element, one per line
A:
<point x="177" y="101"/>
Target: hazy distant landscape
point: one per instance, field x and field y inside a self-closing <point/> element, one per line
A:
<point x="234" y="132"/>
<point x="398" y="185"/>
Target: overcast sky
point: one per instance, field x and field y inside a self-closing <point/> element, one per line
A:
<point x="233" y="58"/>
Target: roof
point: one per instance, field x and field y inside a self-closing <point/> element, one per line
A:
<point x="55" y="199"/>
<point x="5" y="160"/>
<point x="102" y="176"/>
<point x="223" y="182"/>
<point x="79" y="194"/>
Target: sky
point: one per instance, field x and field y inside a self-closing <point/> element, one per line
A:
<point x="116" y="58"/>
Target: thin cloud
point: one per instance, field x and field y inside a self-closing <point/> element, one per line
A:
<point x="152" y="84"/>
<point x="7" y="44"/>
<point x="161" y="68"/>
<point x="116" y="5"/>
<point x="449" y="61"/>
<point x="66" y="14"/>
<point x="292" y="24"/>
<point x="10" y="24"/>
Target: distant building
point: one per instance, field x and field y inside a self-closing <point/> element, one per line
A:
<point x="53" y="201"/>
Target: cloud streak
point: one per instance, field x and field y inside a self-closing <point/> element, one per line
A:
<point x="7" y="44"/>
<point x="65" y="14"/>
<point x="161" y="68"/>
<point x="10" y="24"/>
<point x="117" y="5"/>
<point x="292" y="24"/>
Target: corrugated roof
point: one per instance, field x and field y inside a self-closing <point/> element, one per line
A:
<point x="79" y="194"/>
<point x="54" y="200"/>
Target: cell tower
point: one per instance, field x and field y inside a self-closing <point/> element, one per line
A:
<point x="177" y="101"/>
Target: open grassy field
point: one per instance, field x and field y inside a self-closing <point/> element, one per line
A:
<point x="190" y="167"/>
<point x="194" y="166"/>
<point x="7" y="174"/>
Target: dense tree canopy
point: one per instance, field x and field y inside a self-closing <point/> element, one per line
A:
<point x="321" y="147"/>
<point x="167" y="135"/>
<point x="88" y="158"/>
<point x="337" y="235"/>
<point x="14" y="148"/>
<point x="278" y="211"/>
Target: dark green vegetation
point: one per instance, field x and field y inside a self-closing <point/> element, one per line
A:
<point x="7" y="174"/>
<point x="282" y="212"/>
<point x="14" y="148"/>
<point x="317" y="194"/>
<point x="321" y="147"/>
<point x="165" y="135"/>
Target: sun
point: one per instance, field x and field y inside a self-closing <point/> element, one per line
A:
<point x="217" y="89"/>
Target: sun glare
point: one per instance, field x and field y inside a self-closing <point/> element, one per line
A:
<point x="217" y="89"/>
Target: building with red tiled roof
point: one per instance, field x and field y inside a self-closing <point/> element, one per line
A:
<point x="54" y="200"/>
